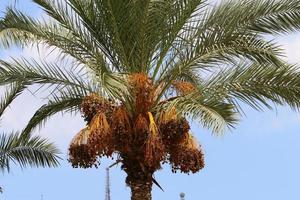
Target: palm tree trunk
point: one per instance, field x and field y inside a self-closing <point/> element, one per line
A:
<point x="139" y="179"/>
<point x="141" y="190"/>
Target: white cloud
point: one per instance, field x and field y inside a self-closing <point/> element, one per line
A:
<point x="291" y="45"/>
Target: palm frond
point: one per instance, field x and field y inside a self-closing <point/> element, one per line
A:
<point x="211" y="112"/>
<point x="68" y="101"/>
<point x="45" y="74"/>
<point x="179" y="22"/>
<point x="22" y="30"/>
<point x="93" y="32"/>
<point x="103" y="26"/>
<point x="258" y="85"/>
<point x="258" y="16"/>
<point x="14" y="90"/>
<point x="210" y="51"/>
<point x="27" y="151"/>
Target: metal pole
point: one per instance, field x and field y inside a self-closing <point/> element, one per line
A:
<point x="107" y="190"/>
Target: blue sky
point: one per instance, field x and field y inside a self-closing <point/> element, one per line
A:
<point x="258" y="160"/>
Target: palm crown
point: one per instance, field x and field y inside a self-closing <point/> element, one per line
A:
<point x="141" y="69"/>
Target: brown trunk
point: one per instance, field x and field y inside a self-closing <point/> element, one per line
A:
<point x="141" y="190"/>
<point x="139" y="179"/>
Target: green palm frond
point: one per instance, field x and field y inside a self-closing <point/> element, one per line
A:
<point x="26" y="151"/>
<point x="257" y="85"/>
<point x="204" y="57"/>
<point x="178" y="25"/>
<point x="68" y="101"/>
<point x="44" y="73"/>
<point x="74" y="16"/>
<point x="203" y="50"/>
<point x="228" y="49"/>
<point x="19" y="29"/>
<point x="266" y="16"/>
<point x="14" y="90"/>
<point x="209" y="111"/>
<point x="102" y="26"/>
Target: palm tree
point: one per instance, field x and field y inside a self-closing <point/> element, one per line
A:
<point x="140" y="70"/>
<point x="24" y="150"/>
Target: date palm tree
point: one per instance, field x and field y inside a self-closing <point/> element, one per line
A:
<point x="140" y="70"/>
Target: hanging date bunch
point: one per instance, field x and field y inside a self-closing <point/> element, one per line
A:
<point x="154" y="147"/>
<point x="81" y="154"/>
<point x="141" y="131"/>
<point x="92" y="104"/>
<point x="147" y="137"/>
<point x="101" y="137"/>
<point x="142" y="89"/>
<point x="98" y="112"/>
<point x="172" y="127"/>
<point x="187" y="156"/>
<point x="147" y="141"/>
<point x="122" y="129"/>
<point x="96" y="140"/>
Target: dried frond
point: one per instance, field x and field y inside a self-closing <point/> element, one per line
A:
<point x="81" y="153"/>
<point x="187" y="156"/>
<point x="183" y="87"/>
<point x="81" y="138"/>
<point x="154" y="149"/>
<point x="121" y="128"/>
<point x="101" y="137"/>
<point x="168" y="115"/>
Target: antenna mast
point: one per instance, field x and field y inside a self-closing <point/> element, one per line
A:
<point x="107" y="189"/>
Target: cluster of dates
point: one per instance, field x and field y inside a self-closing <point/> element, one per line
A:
<point x="146" y="137"/>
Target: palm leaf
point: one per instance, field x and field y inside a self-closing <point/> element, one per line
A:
<point x="26" y="151"/>
<point x="68" y="101"/>
<point x="258" y="85"/>
<point x="10" y="95"/>
<point x="257" y="16"/>
<point x="45" y="73"/>
<point x="19" y="29"/>
<point x="210" y="111"/>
